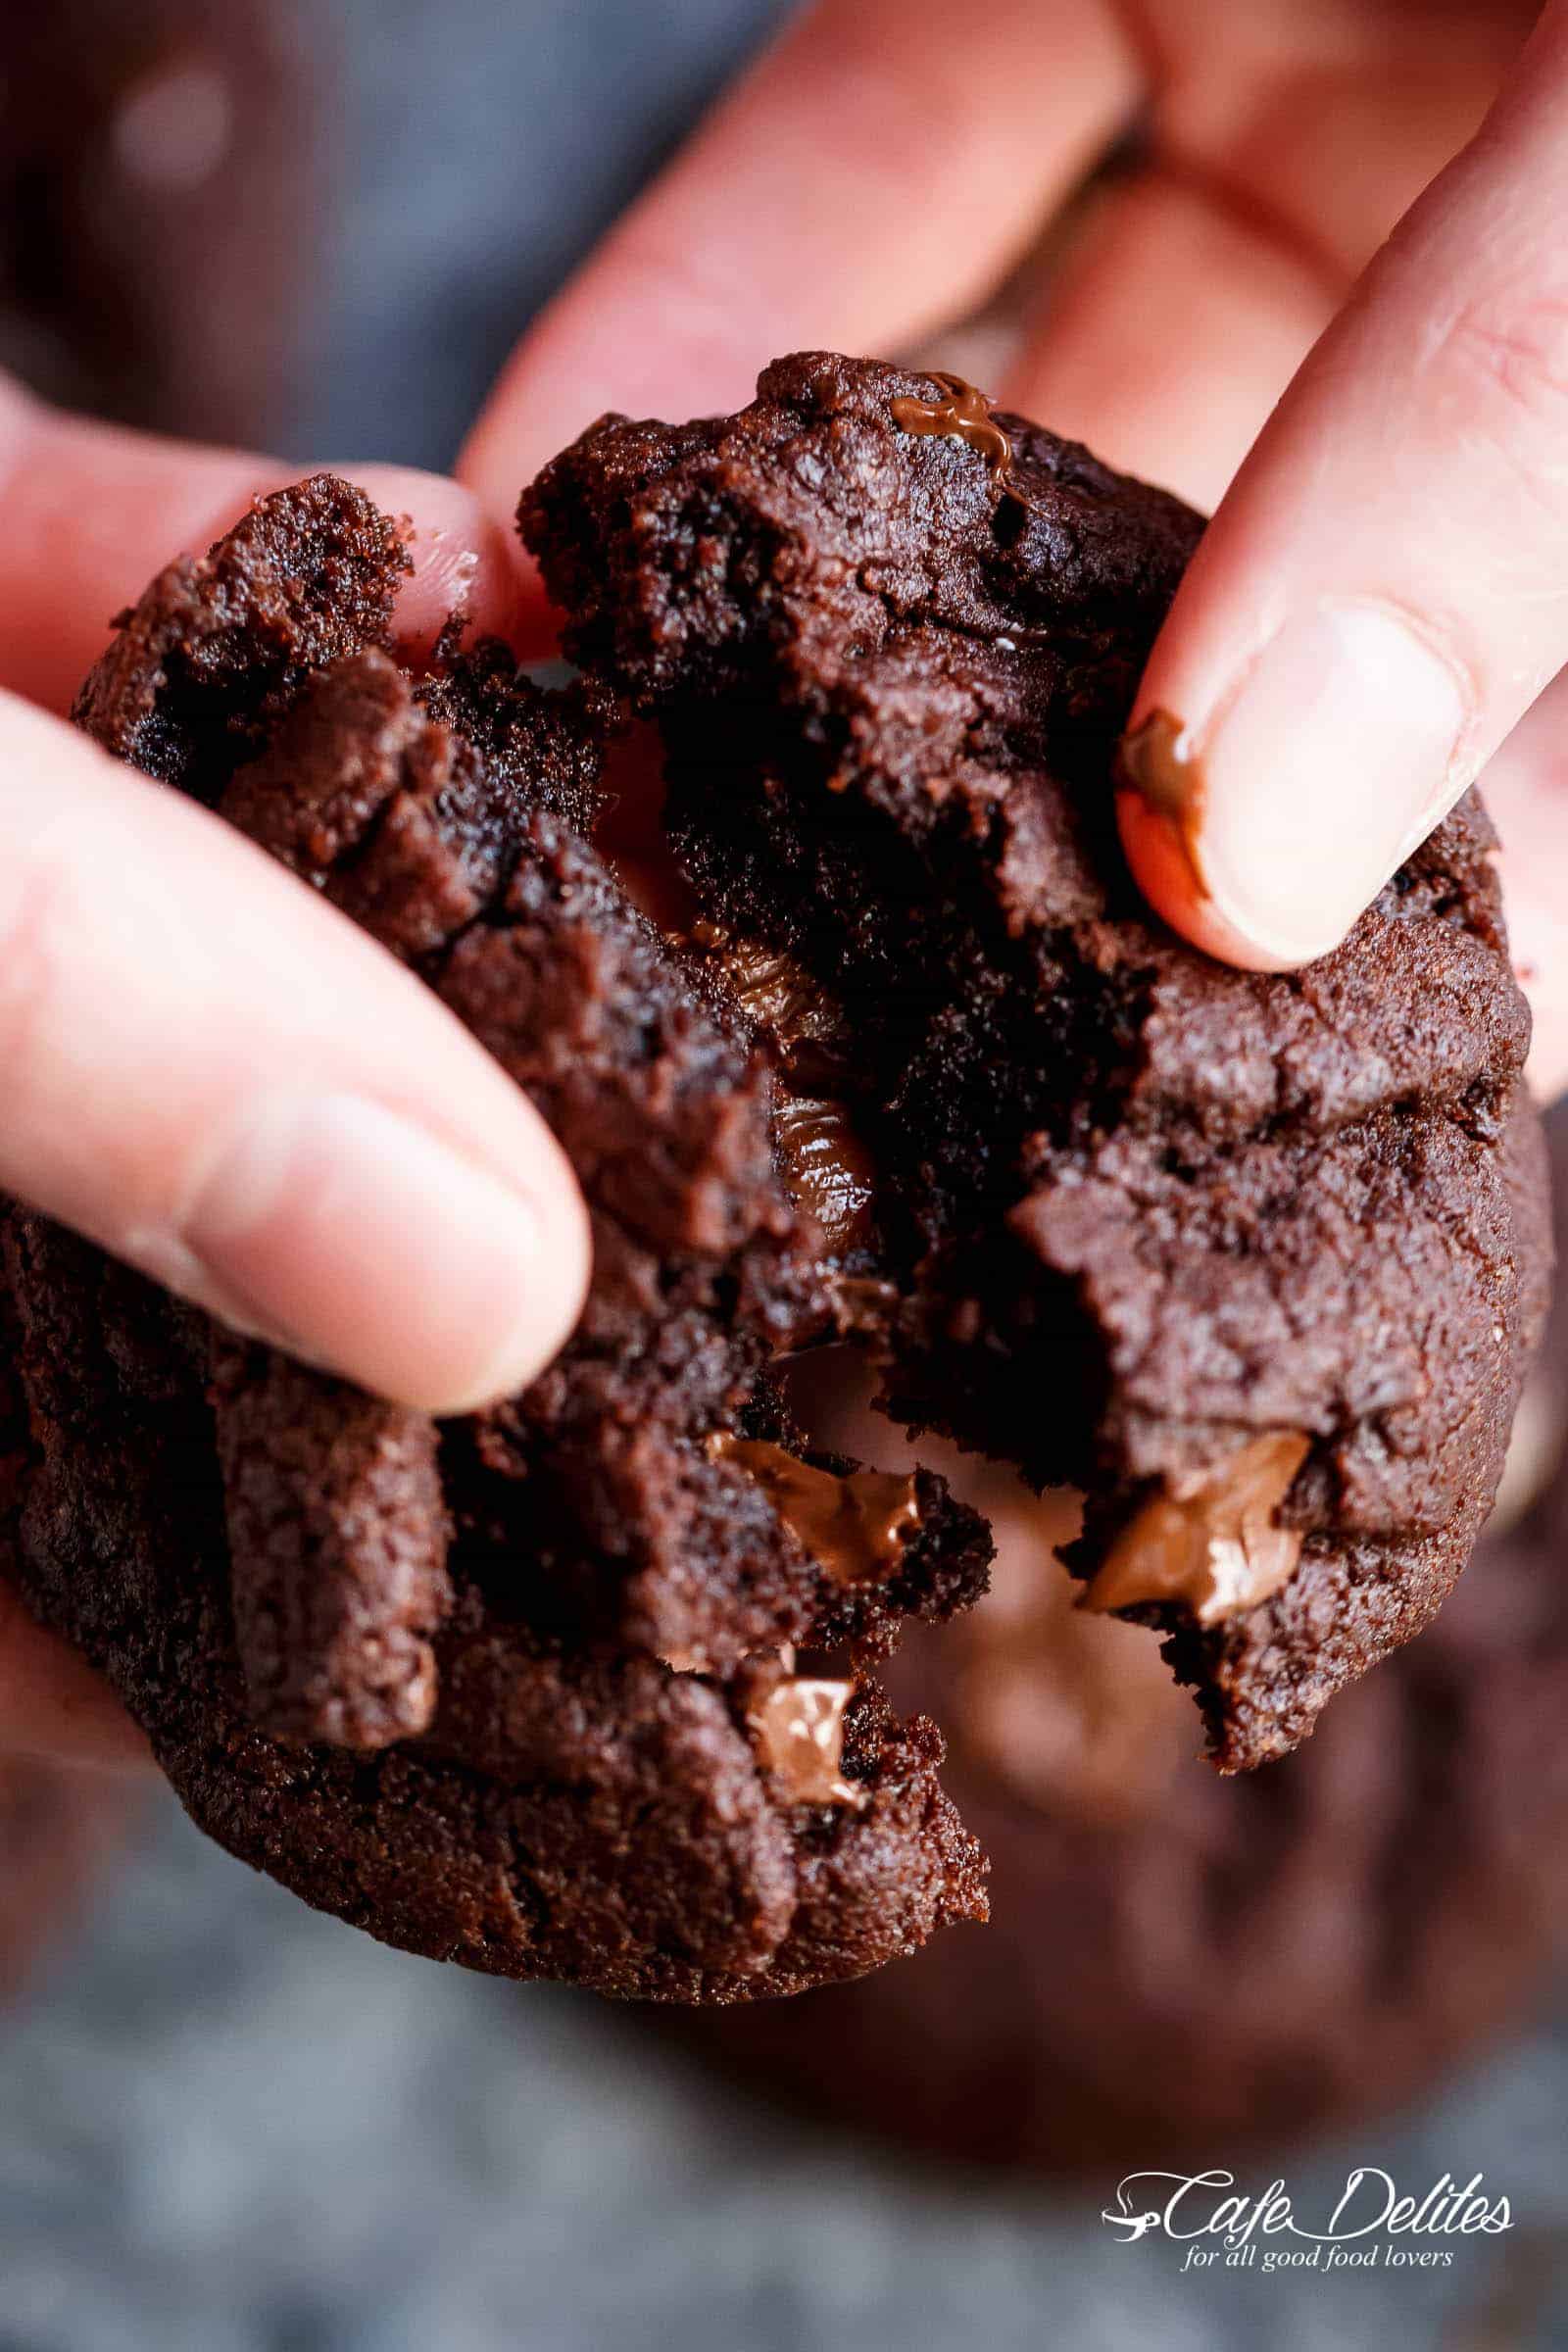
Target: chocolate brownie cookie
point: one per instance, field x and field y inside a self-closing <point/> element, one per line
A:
<point x="517" y="1689"/>
<point x="1258" y="1261"/>
<point x="1179" y="1967"/>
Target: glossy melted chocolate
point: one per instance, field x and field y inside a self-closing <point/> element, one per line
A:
<point x="826" y="1167"/>
<point x="773" y="987"/>
<point x="853" y="1525"/>
<point x="965" y="414"/>
<point x="823" y="1160"/>
<point x="1153" y="763"/>
<point x="1211" y="1542"/>
<point x="798" y="1733"/>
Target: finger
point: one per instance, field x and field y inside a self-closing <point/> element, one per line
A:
<point x="219" y="1079"/>
<point x="53" y="1704"/>
<point x="1328" y="123"/>
<point x="1172" y="328"/>
<point x="1527" y="792"/>
<point x="1381" y="595"/>
<point x="91" y="511"/>
<point x="871" y="176"/>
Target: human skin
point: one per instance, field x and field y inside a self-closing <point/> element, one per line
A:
<point x="1350" y="209"/>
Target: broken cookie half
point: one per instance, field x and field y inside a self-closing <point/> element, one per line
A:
<point x="576" y="1686"/>
<point x="1258" y="1261"/>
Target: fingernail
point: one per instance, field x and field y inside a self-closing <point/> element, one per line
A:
<point x="355" y="1237"/>
<point x="1334" y="759"/>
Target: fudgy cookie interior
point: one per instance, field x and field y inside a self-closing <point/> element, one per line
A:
<point x="524" y="1688"/>
<point x="1255" y="1261"/>
<point x="580" y="1685"/>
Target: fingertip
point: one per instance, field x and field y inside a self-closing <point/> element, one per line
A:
<point x="336" y="1164"/>
<point x="1166" y="870"/>
<point x="367" y="1239"/>
<point x="526" y="1323"/>
<point x="464" y="562"/>
<point x="548" y="1312"/>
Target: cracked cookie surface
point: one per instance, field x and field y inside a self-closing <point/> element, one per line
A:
<point x="486" y="1687"/>
<point x="1138" y="1213"/>
<point x="1332" y="1933"/>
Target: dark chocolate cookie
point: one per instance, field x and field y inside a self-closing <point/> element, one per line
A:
<point x="1258" y="1261"/>
<point x="519" y="1690"/>
<point x="1179" y="1967"/>
<point x="57" y="1828"/>
<point x="160" y="201"/>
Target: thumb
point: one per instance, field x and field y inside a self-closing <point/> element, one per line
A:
<point x="213" y="1074"/>
<point x="1381" y="595"/>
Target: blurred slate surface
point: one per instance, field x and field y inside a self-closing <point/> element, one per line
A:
<point x="227" y="2124"/>
<point x="478" y="148"/>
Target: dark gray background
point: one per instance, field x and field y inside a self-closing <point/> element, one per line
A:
<point x="231" y="2125"/>
<point x="477" y="149"/>
<point x="228" y="2126"/>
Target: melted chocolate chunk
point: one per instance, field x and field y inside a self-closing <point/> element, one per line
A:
<point x="1211" y="1542"/>
<point x="798" y="1731"/>
<point x="963" y="413"/>
<point x="966" y="414"/>
<point x="827" y="1170"/>
<point x="824" y="1161"/>
<point x="777" y="996"/>
<point x="855" y="1524"/>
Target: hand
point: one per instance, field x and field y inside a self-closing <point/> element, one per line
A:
<point x="1381" y="595"/>
<point x="170" y="1087"/>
